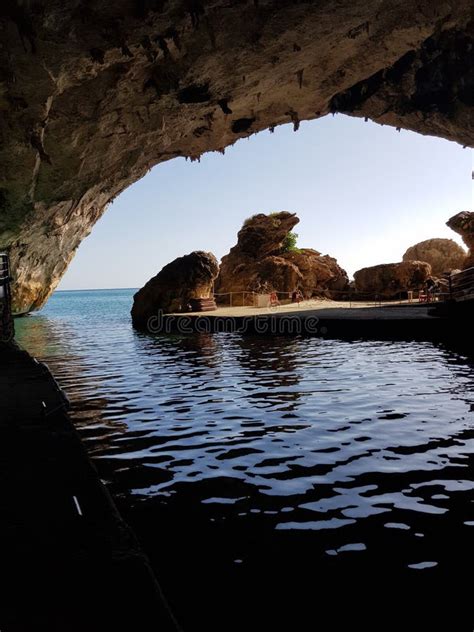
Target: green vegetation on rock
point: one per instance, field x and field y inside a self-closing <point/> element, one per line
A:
<point x="289" y="242"/>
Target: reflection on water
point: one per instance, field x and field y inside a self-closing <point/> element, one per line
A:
<point x="267" y="477"/>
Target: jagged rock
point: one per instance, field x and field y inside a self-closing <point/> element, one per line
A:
<point x="185" y="278"/>
<point x="262" y="235"/>
<point x="443" y="255"/>
<point x="389" y="279"/>
<point x="94" y="94"/>
<point x="258" y="262"/>
<point x="463" y="224"/>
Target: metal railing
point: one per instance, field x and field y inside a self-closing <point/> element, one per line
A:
<point x="6" y="319"/>
<point x="461" y="285"/>
<point x="251" y="299"/>
<point x="4" y="269"/>
<point x="235" y="299"/>
<point x="458" y="286"/>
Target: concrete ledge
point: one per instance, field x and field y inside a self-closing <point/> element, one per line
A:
<point x="308" y="326"/>
<point x="69" y="562"/>
<point x="394" y="321"/>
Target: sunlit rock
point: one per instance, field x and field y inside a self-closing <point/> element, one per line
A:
<point x="443" y="255"/>
<point x="391" y="279"/>
<point x="185" y="278"/>
<point x="463" y="224"/>
<point x="262" y="262"/>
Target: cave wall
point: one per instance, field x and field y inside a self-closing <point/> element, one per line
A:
<point x="93" y="94"/>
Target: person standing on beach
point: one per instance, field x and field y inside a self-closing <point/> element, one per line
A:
<point x="296" y="297"/>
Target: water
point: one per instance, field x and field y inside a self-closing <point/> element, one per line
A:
<point x="276" y="482"/>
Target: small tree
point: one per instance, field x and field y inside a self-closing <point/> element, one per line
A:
<point x="289" y="242"/>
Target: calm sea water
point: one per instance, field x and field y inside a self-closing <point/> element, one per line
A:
<point x="277" y="483"/>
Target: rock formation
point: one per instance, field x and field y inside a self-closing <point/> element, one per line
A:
<point x="443" y="255"/>
<point x="463" y="224"/>
<point x="259" y="262"/>
<point x="93" y="94"/>
<point x="389" y="279"/>
<point x="185" y="278"/>
<point x="319" y="272"/>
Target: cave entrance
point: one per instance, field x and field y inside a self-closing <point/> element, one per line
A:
<point x="364" y="193"/>
<point x="93" y="99"/>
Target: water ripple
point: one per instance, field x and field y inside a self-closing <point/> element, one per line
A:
<point x="363" y="446"/>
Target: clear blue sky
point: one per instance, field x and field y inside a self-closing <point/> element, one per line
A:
<point x="363" y="193"/>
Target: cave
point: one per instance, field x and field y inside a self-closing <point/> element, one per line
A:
<point x="94" y="94"/>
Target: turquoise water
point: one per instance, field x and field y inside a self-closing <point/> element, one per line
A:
<point x="261" y="462"/>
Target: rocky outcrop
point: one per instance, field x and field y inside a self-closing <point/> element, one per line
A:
<point x="463" y="224"/>
<point x="269" y="274"/>
<point x="260" y="263"/>
<point x="443" y="255"/>
<point x="261" y="236"/>
<point x="389" y="279"/>
<point x="319" y="272"/>
<point x="94" y="94"/>
<point x="185" y="278"/>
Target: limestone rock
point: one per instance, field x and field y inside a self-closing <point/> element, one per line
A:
<point x="443" y="255"/>
<point x="258" y="263"/>
<point x="187" y="277"/>
<point x="463" y="224"/>
<point x="319" y="272"/>
<point x="269" y="274"/>
<point x="262" y="235"/>
<point x="94" y="94"/>
<point x="389" y="279"/>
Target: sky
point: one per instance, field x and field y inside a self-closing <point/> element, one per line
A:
<point x="363" y="192"/>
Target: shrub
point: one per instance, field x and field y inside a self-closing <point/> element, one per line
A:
<point x="289" y="243"/>
<point x="274" y="216"/>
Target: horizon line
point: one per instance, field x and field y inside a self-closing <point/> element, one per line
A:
<point x="96" y="289"/>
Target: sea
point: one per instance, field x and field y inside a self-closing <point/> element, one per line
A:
<point x="277" y="483"/>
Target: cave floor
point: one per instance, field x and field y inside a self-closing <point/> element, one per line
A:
<point x="69" y="561"/>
